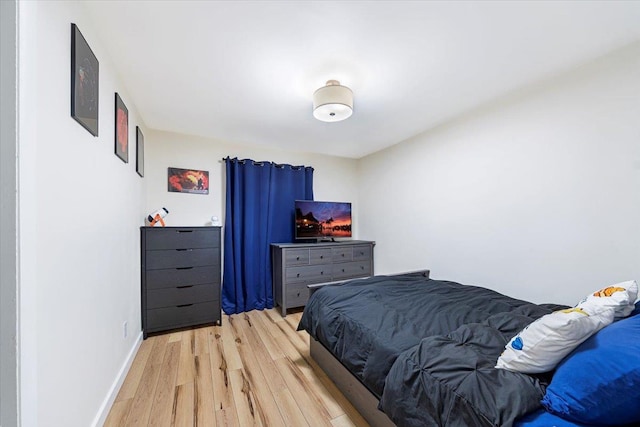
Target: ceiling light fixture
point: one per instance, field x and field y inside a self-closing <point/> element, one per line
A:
<point x="332" y="102"/>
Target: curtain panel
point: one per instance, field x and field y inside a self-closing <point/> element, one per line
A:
<point x="259" y="211"/>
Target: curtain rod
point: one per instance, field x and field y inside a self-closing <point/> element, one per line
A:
<point x="262" y="163"/>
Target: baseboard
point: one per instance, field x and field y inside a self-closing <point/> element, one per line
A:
<point x="103" y="412"/>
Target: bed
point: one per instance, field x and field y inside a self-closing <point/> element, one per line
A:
<point x="411" y="351"/>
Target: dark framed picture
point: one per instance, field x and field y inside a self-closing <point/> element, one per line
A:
<point x="188" y="181"/>
<point x="84" y="82"/>
<point x="139" y="151"/>
<point x="121" y="130"/>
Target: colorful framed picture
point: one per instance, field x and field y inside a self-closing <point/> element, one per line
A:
<point x="121" y="130"/>
<point x="84" y="82"/>
<point x="139" y="151"/>
<point x="188" y="181"/>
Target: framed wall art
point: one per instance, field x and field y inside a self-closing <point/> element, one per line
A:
<point x="121" y="130"/>
<point x="84" y="82"/>
<point x="188" y="181"/>
<point x="139" y="151"/>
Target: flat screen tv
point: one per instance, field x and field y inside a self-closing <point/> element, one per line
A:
<point x="322" y="220"/>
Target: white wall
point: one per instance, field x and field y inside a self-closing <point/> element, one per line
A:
<point x="537" y="196"/>
<point x="80" y="212"/>
<point x="334" y="178"/>
<point x="8" y="215"/>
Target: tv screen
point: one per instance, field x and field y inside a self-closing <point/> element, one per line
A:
<point x="317" y="220"/>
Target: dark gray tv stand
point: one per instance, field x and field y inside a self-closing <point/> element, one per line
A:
<point x="297" y="265"/>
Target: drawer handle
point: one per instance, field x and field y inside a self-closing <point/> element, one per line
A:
<point x="184" y="268"/>
<point x="298" y="275"/>
<point x="343" y="270"/>
<point x="297" y="258"/>
<point x="361" y="253"/>
<point x="321" y="256"/>
<point x="182" y="250"/>
<point x="184" y="287"/>
<point x="298" y="294"/>
<point x="342" y="255"/>
<point x="184" y="231"/>
<point x="321" y="273"/>
<point x="184" y="305"/>
<point x="362" y="267"/>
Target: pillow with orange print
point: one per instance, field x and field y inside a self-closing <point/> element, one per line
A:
<point x="621" y="297"/>
<point x="540" y="346"/>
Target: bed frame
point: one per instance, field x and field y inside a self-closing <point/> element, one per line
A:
<point x="358" y="394"/>
<point x="360" y="397"/>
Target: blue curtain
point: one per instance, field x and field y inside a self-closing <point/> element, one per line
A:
<point x="260" y="211"/>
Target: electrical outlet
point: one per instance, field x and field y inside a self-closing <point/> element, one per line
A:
<point x="124" y="330"/>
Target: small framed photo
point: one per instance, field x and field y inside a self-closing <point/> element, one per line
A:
<point x="139" y="151"/>
<point x="188" y="181"/>
<point x="84" y="82"/>
<point x="121" y="130"/>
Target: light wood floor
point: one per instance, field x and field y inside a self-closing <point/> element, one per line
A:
<point x="255" y="369"/>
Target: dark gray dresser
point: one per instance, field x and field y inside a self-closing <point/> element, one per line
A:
<point x="297" y="265"/>
<point x="180" y="277"/>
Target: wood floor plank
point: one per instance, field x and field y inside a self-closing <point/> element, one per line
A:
<point x="326" y="398"/>
<point x="119" y="412"/>
<point x="183" y="405"/>
<point x="244" y="399"/>
<point x="186" y="368"/>
<point x="222" y="394"/>
<point x="324" y="394"/>
<point x="307" y="400"/>
<point x="204" y="410"/>
<point x="260" y="356"/>
<point x="296" y="339"/>
<point x="159" y="347"/>
<point x="175" y="337"/>
<point x="142" y="401"/>
<point x="343" y="421"/>
<point x="166" y="388"/>
<point x="227" y="418"/>
<point x="258" y="322"/>
<point x="289" y="409"/>
<point x="201" y="341"/>
<point x="229" y="345"/>
<point x="274" y="315"/>
<point x="134" y="376"/>
<point x="259" y="379"/>
<point x="281" y="339"/>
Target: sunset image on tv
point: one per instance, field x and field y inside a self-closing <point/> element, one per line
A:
<point x="322" y="219"/>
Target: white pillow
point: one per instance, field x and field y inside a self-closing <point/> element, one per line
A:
<point x="544" y="343"/>
<point x="621" y="297"/>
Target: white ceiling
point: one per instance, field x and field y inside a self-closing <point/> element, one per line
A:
<point x="244" y="72"/>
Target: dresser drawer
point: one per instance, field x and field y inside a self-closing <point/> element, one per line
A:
<point x="311" y="273"/>
<point x="182" y="238"/>
<point x="181" y="258"/>
<point x="296" y="257"/>
<point x="351" y="269"/>
<point x="170" y="278"/>
<point x="297" y="295"/>
<point x="181" y="295"/>
<point x="320" y="256"/>
<point x="362" y="252"/>
<point x="342" y="254"/>
<point x="176" y="317"/>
